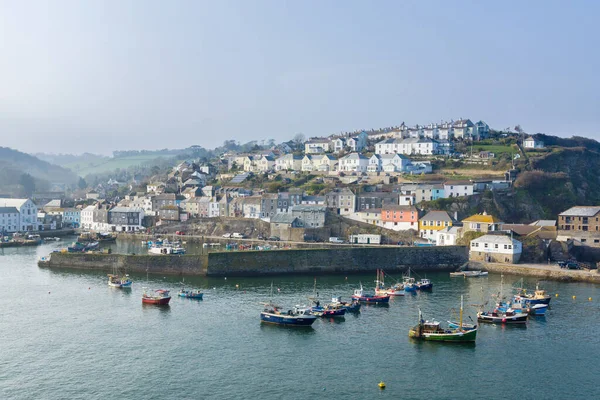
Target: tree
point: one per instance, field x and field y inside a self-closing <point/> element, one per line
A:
<point x="81" y="184"/>
<point x="299" y="139"/>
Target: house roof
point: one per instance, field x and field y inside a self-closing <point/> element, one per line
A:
<point x="447" y="183"/>
<point x="485" y="218"/>
<point x="544" y="222"/>
<point x="451" y="230"/>
<point x="521" y="229"/>
<point x="499" y="239"/>
<point x="127" y="209"/>
<point x="394" y="207"/>
<point x="283" y="219"/>
<point x="437" y="216"/>
<point x="8" y="210"/>
<point x="309" y="207"/>
<point x="579" y="211"/>
<point x="355" y="156"/>
<point x="5" y="202"/>
<point x="319" y="140"/>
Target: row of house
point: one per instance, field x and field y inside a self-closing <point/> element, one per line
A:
<point x="336" y="145"/>
<point x="460" y="129"/>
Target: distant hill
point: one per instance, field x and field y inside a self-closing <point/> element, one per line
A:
<point x="20" y="169"/>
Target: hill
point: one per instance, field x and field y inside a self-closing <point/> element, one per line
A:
<point x="21" y="173"/>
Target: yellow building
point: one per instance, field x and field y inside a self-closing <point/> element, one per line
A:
<point x="433" y="222"/>
<point x="481" y="223"/>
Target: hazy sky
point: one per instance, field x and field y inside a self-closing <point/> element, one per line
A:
<point x="99" y="76"/>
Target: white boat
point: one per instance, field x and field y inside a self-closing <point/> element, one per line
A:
<point x="166" y="250"/>
<point x="469" y="274"/>
<point x="119" y="282"/>
<point x="380" y="289"/>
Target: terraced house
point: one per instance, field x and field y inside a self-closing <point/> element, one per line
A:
<point x="433" y="222"/>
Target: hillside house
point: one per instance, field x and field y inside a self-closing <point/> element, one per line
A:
<point x="495" y="248"/>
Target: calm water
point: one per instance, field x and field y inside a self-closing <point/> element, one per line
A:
<point x="68" y="335"/>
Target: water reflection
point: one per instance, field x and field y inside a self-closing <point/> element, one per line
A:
<point x="292" y="330"/>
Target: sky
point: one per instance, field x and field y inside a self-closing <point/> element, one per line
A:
<point x="97" y="76"/>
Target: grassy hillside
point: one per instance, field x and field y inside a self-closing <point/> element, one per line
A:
<point x="85" y="167"/>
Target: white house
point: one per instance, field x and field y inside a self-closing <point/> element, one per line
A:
<point x="289" y="162"/>
<point x="446" y="131"/>
<point x="354" y="162"/>
<point x="28" y="211"/>
<point x="388" y="163"/>
<point x="495" y="248"/>
<point x="431" y="131"/>
<point x="533" y="143"/>
<point x="365" y="238"/>
<point x="338" y="144"/>
<point x="447" y="236"/>
<point x="458" y="188"/>
<point x="87" y="217"/>
<point x="317" y="145"/>
<point x="463" y="129"/>
<point x="9" y="220"/>
<point x="307" y="163"/>
<point x="213" y="208"/>
<point x="421" y="146"/>
<point x="325" y="163"/>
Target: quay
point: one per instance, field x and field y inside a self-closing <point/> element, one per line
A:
<point x="251" y="263"/>
<point x="541" y="271"/>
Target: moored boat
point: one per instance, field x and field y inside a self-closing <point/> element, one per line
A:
<point x="424" y="284"/>
<point x="191" y="294"/>
<point x="468" y="274"/>
<point x="538" y="297"/>
<point x="380" y="289"/>
<point x="369" y="298"/>
<point x="353" y="306"/>
<point x="272" y="314"/>
<point x="432" y="331"/>
<point x="502" y="313"/>
<point x="119" y="282"/>
<point x="158" y="297"/>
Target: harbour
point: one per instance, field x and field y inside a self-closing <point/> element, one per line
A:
<point x="223" y="345"/>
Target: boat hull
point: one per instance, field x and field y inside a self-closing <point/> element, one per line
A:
<point x="287" y="320"/>
<point x="125" y="285"/>
<point x="160" y="302"/>
<point x="192" y="296"/>
<point x="492" y="319"/>
<point x="372" y="299"/>
<point x="466" y="327"/>
<point x="427" y="287"/>
<point x="452" y="337"/>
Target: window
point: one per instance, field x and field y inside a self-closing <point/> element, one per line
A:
<point x="485" y="245"/>
<point x="496" y="245"/>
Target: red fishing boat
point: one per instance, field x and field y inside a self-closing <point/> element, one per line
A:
<point x="160" y="297"/>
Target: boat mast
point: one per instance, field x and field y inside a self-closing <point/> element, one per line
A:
<point x="461" y="314"/>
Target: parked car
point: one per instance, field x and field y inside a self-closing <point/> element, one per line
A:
<point x="237" y="235"/>
<point x="261" y="237"/>
<point x="227" y="235"/>
<point x="336" y="240"/>
<point x="274" y="238"/>
<point x="180" y="233"/>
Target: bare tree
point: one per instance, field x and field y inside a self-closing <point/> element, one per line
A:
<point x="299" y="138"/>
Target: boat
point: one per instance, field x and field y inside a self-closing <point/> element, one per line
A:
<point x="164" y="249"/>
<point x="432" y="331"/>
<point x="519" y="304"/>
<point x="191" y="294"/>
<point x="119" y="282"/>
<point x="332" y="309"/>
<point x="380" y="289"/>
<point x="468" y="274"/>
<point x="424" y="284"/>
<point x="298" y="316"/>
<point x="51" y="239"/>
<point x="502" y="313"/>
<point x="409" y="284"/>
<point x="465" y="326"/>
<point x="353" y="306"/>
<point x="538" y="297"/>
<point x="370" y="298"/>
<point x="158" y="297"/>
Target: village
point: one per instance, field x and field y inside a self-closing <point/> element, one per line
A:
<point x="359" y="188"/>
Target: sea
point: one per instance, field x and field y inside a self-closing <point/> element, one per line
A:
<point x="66" y="335"/>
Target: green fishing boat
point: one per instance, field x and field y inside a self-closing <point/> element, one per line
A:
<point x="431" y="330"/>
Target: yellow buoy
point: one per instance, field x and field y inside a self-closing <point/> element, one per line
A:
<point x="574" y="297"/>
<point x="556" y="295"/>
<point x="381" y="385"/>
<point x="589" y="299"/>
<point x="237" y="286"/>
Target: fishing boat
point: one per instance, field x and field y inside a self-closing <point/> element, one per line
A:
<point x="502" y="314"/>
<point x="332" y="309"/>
<point x="370" y="298"/>
<point x="164" y="249"/>
<point x="409" y="284"/>
<point x="191" y="294"/>
<point x="380" y="289"/>
<point x="353" y="306"/>
<point x="520" y="304"/>
<point x="298" y="316"/>
<point x="468" y="274"/>
<point x="424" y="284"/>
<point x="432" y="331"/>
<point x="119" y="282"/>
<point x="538" y="297"/>
<point x="158" y="297"/>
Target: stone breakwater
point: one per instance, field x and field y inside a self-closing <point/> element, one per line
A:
<point x="275" y="262"/>
<point x="541" y="271"/>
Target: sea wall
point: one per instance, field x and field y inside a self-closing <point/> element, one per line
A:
<point x="274" y="262"/>
<point x="541" y="272"/>
<point x="153" y="264"/>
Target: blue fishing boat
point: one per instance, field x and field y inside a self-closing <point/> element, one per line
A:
<point x="539" y="296"/>
<point x="353" y="306"/>
<point x="328" y="310"/>
<point x="424" y="284"/>
<point x="191" y="294"/>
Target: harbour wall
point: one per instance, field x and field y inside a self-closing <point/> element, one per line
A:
<point x="542" y="272"/>
<point x="275" y="262"/>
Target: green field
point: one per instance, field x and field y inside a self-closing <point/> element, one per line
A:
<point x="495" y="148"/>
<point x="110" y="164"/>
